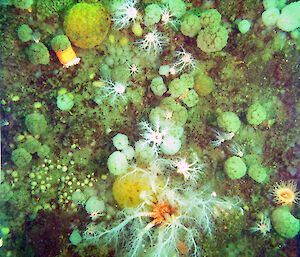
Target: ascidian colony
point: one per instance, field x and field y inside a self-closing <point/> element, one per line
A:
<point x="156" y="128"/>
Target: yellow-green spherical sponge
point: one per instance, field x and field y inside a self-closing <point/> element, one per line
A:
<point x="131" y="189"/>
<point x="87" y="25"/>
<point x="127" y="189"/>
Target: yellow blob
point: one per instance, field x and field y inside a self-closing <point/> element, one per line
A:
<point x="203" y="84"/>
<point x="137" y="29"/>
<point x="124" y="41"/>
<point x="128" y="188"/>
<point x="111" y="39"/>
<point x="98" y="83"/>
<point x="62" y="91"/>
<point x="86" y="24"/>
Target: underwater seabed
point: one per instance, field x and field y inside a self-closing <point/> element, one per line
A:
<point x="149" y="128"/>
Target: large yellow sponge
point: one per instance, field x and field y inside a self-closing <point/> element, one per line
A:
<point x="86" y="24"/>
<point x="131" y="189"/>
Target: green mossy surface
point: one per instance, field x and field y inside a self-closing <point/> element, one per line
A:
<point x="68" y="151"/>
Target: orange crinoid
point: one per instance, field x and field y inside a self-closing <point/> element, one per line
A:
<point x="285" y="192"/>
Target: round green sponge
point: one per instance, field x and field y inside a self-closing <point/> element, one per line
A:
<point x="212" y="39"/>
<point x="87" y="24"/>
<point x="21" y="157"/>
<point x="22" y="4"/>
<point x="235" y="167"/>
<point x="229" y="121"/>
<point x="190" y="25"/>
<point x="256" y="114"/>
<point x="60" y="43"/>
<point x="36" y="123"/>
<point x="284" y="222"/>
<point x="38" y="53"/>
<point x="24" y="33"/>
<point x="257" y="173"/>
